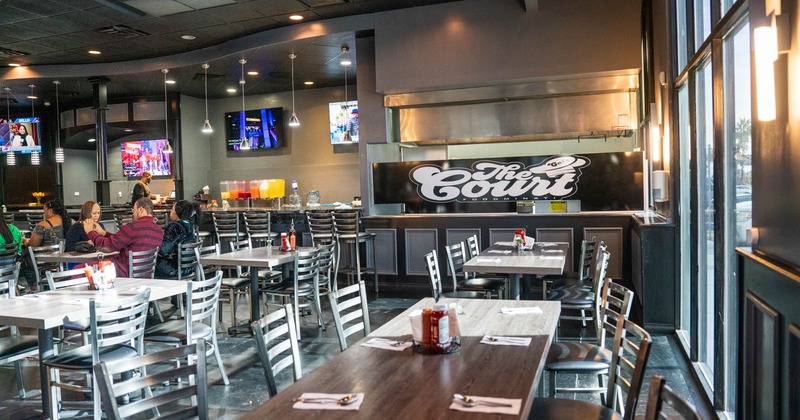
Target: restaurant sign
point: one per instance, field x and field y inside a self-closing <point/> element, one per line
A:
<point x="604" y="181"/>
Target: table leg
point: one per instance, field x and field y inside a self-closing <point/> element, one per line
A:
<point x="526" y="287"/>
<point x="255" y="310"/>
<point x="514" y="280"/>
<point x="45" y="350"/>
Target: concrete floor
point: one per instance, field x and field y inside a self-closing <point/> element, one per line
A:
<point x="248" y="389"/>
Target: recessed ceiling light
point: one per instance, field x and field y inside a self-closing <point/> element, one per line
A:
<point x="94" y="52"/>
<point x="188" y="37"/>
<point x="14" y="65"/>
<point x="170" y="82"/>
<point x="346" y="62"/>
<point x="252" y="73"/>
<point x="128" y="130"/>
<point x="295" y="17"/>
<point x="308" y="83"/>
<point x="231" y="90"/>
<point x="92" y="140"/>
<point x="33" y="97"/>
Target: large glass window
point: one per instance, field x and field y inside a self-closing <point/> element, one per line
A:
<point x="680" y="33"/>
<point x="702" y="22"/>
<point x="684" y="213"/>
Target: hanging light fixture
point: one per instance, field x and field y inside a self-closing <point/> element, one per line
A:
<point x="346" y="137"/>
<point x="206" y="125"/>
<point x="167" y="149"/>
<point x="11" y="160"/>
<point x="243" y="144"/>
<point x="59" y="149"/>
<point x="293" y="121"/>
<point x="34" y="154"/>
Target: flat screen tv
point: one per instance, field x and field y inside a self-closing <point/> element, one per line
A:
<point x="145" y="155"/>
<point x="262" y="129"/>
<point x="343" y="116"/>
<point x="21" y="136"/>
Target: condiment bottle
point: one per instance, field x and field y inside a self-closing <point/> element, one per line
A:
<point x="426" y="328"/>
<point x="440" y="327"/>
<point x="292" y="238"/>
<point x="284" y="242"/>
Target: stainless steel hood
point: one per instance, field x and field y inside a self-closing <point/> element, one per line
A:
<point x="582" y="107"/>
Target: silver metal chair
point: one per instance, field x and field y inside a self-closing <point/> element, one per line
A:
<point x="226" y="227"/>
<point x="432" y="265"/>
<point x="304" y="284"/>
<point x="579" y="304"/>
<point x="33" y="219"/>
<point x="39" y="267"/>
<point x="456" y="257"/>
<point x="187" y="401"/>
<point x="120" y="220"/>
<point x="276" y="337"/>
<point x="326" y="265"/>
<point x="14" y="347"/>
<point x="200" y="322"/>
<point x="582" y="277"/>
<point x="347" y="227"/>
<point x="258" y="225"/>
<point x="320" y="226"/>
<point x="9" y="218"/>
<point x="142" y="265"/>
<point x="8" y="253"/>
<point x="116" y="327"/>
<point x="586" y="358"/>
<point x="233" y="286"/>
<point x="629" y="359"/>
<point x="350" y="312"/>
<point x="664" y="403"/>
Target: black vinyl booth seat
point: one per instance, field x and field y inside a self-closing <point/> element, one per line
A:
<point x="577" y="356"/>
<point x="570" y="296"/>
<point x="81" y="357"/>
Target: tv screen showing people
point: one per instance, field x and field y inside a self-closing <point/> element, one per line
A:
<point x="145" y="155"/>
<point x="256" y="129"/>
<point x="23" y="135"/>
<point x="343" y="117"/>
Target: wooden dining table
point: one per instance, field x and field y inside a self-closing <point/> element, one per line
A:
<point x="269" y="257"/>
<point x="49" y="310"/>
<point x="406" y="384"/>
<point x="544" y="258"/>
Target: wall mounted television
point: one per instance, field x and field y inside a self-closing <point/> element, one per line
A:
<point x="145" y="155"/>
<point x="23" y="135"/>
<point x="262" y="130"/>
<point x="343" y="116"/>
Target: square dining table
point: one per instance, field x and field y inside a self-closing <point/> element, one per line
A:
<point x="74" y="257"/>
<point x="269" y="257"/>
<point x="49" y="310"/>
<point x="409" y="385"/>
<point x="544" y="258"/>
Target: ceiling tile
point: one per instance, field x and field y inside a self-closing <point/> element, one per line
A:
<point x="158" y="7"/>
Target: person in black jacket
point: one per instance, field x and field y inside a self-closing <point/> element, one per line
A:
<point x="179" y="230"/>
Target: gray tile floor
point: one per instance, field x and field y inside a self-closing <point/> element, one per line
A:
<point x="248" y="388"/>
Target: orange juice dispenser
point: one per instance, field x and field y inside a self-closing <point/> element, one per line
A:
<point x="254" y="188"/>
<point x="276" y="191"/>
<point x="224" y="190"/>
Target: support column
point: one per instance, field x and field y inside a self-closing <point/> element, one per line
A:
<point x="100" y="105"/>
<point x="174" y="102"/>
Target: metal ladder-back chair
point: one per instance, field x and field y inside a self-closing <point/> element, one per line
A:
<point x="8" y="254"/>
<point x="177" y="402"/>
<point x="320" y="226"/>
<point x="114" y="324"/>
<point x="13" y="346"/>
<point x="61" y="279"/>
<point x="142" y="265"/>
<point x="275" y="333"/>
<point x="304" y="284"/>
<point x="456" y="257"/>
<point x="226" y="227"/>
<point x="202" y="297"/>
<point x="582" y="277"/>
<point x="432" y="265"/>
<point x="120" y="220"/>
<point x="258" y="225"/>
<point x="326" y="268"/>
<point x="586" y="358"/>
<point x="9" y="218"/>
<point x="39" y="268"/>
<point x="347" y="226"/>
<point x="188" y="265"/>
<point x="33" y="219"/>
<point x="660" y="396"/>
<point x="579" y="299"/>
<point x="629" y="359"/>
<point x="350" y="312"/>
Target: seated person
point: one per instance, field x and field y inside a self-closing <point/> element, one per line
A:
<point x="142" y="234"/>
<point x="180" y="230"/>
<point x="49" y="231"/>
<point x="10" y="233"/>
<point x="91" y="211"/>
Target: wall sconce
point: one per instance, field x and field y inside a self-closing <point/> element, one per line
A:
<point x="655" y="133"/>
<point x="769" y="41"/>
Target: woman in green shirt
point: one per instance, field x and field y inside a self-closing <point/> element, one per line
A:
<point x="9" y="233"/>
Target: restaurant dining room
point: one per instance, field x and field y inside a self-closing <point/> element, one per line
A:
<point x="390" y="209"/>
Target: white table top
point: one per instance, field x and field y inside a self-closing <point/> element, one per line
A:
<point x="266" y="257"/>
<point x="52" y="308"/>
<point x="74" y="257"/>
<point x="545" y="258"/>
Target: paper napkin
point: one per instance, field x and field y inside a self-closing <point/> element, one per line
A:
<point x="487" y="260"/>
<point x="506" y="341"/>
<point x="332" y="405"/>
<point x="387" y="344"/>
<point x="482" y="408"/>
<point x="518" y="311"/>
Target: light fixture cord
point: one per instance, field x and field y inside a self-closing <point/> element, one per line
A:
<point x="8" y="105"/>
<point x="346" y="114"/>
<point x="205" y="80"/>
<point x="293" y="57"/>
<point x="58" y="117"/>
<point x="33" y="114"/>
<point x="166" y="104"/>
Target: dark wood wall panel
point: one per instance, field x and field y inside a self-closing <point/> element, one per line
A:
<point x="762" y="359"/>
<point x="386" y="254"/>
<point x="559" y="235"/>
<point x="794" y="371"/>
<point x="418" y="243"/>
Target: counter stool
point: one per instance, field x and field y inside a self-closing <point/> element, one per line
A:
<point x="226" y="225"/>
<point x="257" y="224"/>
<point x="320" y="226"/>
<point x="347" y="228"/>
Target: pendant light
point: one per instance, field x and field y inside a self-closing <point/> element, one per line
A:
<point x="59" y="149"/>
<point x="34" y="154"/>
<point x="346" y="137"/>
<point x="11" y="160"/>
<point x="167" y="149"/>
<point x="293" y="121"/>
<point x="206" y="125"/>
<point x="243" y="144"/>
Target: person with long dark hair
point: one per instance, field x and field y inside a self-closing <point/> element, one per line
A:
<point x="49" y="231"/>
<point x="90" y="210"/>
<point x="9" y="233"/>
<point x="180" y="230"/>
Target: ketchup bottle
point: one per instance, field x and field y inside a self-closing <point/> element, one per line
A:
<point x="440" y="328"/>
<point x="426" y="328"/>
